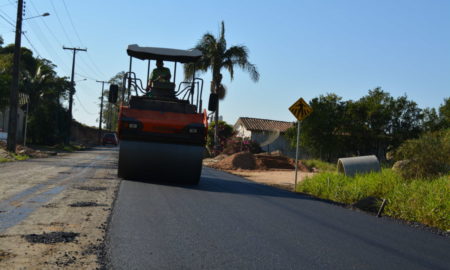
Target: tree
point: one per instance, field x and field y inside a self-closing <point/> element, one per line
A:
<point x="216" y="56"/>
<point x="111" y="110"/>
<point x="47" y="121"/>
<point x="444" y="114"/>
<point x="37" y="79"/>
<point x="372" y="125"/>
<point x="406" y="121"/>
<point x="225" y="132"/>
<point x="320" y="131"/>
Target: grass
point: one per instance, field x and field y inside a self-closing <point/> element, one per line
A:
<point x="322" y="166"/>
<point x="417" y="200"/>
<point x="14" y="157"/>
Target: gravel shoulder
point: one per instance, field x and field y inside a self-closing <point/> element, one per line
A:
<point x="54" y="211"/>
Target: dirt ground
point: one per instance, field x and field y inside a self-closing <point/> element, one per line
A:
<point x="278" y="170"/>
<point x="284" y="179"/>
<point x="54" y="211"/>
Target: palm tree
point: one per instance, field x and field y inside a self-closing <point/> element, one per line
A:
<point x="217" y="56"/>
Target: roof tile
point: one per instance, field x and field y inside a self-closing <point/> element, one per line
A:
<point x="256" y="124"/>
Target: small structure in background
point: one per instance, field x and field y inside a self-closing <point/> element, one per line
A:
<point x="269" y="134"/>
<point x="358" y="165"/>
<point x="21" y="118"/>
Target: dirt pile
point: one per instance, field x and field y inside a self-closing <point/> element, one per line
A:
<point x="249" y="161"/>
<point x="241" y="160"/>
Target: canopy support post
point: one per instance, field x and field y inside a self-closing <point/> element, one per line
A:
<point x="192" y="87"/>
<point x="129" y="81"/>
<point x="174" y="71"/>
<point x="148" y="72"/>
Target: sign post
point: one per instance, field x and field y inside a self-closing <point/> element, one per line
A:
<point x="300" y="109"/>
<point x="296" y="154"/>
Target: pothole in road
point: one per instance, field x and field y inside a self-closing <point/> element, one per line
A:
<point x="51" y="238"/>
<point x="86" y="204"/>
<point x="91" y="188"/>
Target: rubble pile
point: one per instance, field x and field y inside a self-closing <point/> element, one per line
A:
<point x="264" y="161"/>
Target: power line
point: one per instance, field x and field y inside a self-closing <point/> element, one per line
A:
<point x="32" y="46"/>
<point x="60" y="23"/>
<point x="55" y="38"/>
<point x="4" y="18"/>
<point x="71" y="22"/>
<point x="4" y="5"/>
<point x="95" y="69"/>
<point x="82" y="106"/>
<point x="48" y="28"/>
<point x="79" y="39"/>
<point x="86" y="77"/>
<point x="48" y="45"/>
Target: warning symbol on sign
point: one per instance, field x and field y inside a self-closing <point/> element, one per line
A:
<point x="300" y="109"/>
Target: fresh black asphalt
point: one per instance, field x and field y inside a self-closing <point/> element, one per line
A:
<point x="228" y="222"/>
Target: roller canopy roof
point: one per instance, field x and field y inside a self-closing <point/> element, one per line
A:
<point x="152" y="53"/>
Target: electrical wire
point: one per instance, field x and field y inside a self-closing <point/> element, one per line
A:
<point x="48" y="47"/>
<point x="32" y="46"/>
<point x="60" y="23"/>
<point x="5" y="17"/>
<point x="71" y="22"/>
<point x="55" y="37"/>
<point x="86" y="77"/>
<point x="84" y="109"/>
<point x="23" y="33"/>
<point x="43" y="39"/>
<point x="4" y="5"/>
<point x="48" y="28"/>
<point x="95" y="69"/>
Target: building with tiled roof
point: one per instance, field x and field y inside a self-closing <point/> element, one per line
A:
<point x="256" y="124"/>
<point x="269" y="134"/>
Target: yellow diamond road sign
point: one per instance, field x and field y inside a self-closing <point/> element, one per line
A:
<point x="300" y="109"/>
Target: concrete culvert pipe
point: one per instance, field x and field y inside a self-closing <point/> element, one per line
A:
<point x="358" y="165"/>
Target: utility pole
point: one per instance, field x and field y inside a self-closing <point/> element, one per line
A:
<point x="72" y="90"/>
<point x="101" y="113"/>
<point x="13" y="96"/>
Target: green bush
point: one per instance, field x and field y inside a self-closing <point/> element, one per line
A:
<point x="417" y="200"/>
<point x="426" y="157"/>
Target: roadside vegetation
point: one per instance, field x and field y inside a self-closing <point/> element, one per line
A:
<point x="417" y="200"/>
<point x="418" y="190"/>
<point x="14" y="157"/>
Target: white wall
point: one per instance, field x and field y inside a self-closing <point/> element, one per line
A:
<point x="243" y="132"/>
<point x="280" y="144"/>
<point x="4" y="116"/>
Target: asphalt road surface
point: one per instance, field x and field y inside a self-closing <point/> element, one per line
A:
<point x="230" y="223"/>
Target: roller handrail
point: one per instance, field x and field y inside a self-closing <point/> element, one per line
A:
<point x="185" y="93"/>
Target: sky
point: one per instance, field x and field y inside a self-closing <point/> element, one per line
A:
<point x="302" y="48"/>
